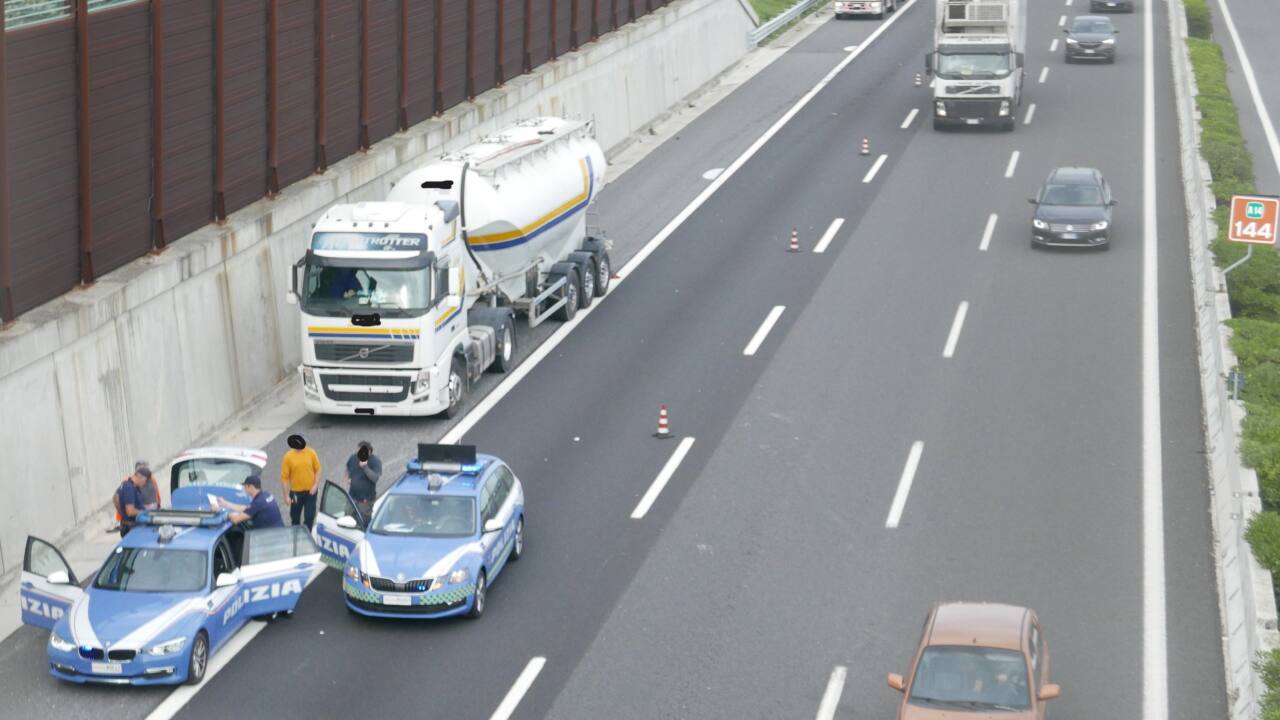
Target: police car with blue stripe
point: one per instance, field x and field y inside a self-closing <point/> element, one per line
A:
<point x="436" y="541"/>
<point x="175" y="589"/>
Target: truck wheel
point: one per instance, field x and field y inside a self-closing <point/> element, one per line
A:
<point x="506" y="358"/>
<point x="570" y="292"/>
<point x="457" y="388"/>
<point x="585" y="261"/>
<point x="604" y="273"/>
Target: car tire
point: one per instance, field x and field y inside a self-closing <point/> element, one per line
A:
<point x="505" y="357"/>
<point x="571" y="290"/>
<point x="198" y="660"/>
<point x="457" y="384"/>
<point x="482" y="589"/>
<point x="517" y="551"/>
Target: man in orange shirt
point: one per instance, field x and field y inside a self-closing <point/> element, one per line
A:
<point x="300" y="474"/>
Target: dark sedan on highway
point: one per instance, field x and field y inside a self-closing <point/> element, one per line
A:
<point x="1090" y="37"/>
<point x="1105" y="5"/>
<point x="1073" y="209"/>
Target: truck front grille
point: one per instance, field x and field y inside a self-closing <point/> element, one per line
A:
<point x="369" y="352"/>
<point x="396" y="388"/>
<point x="985" y="109"/>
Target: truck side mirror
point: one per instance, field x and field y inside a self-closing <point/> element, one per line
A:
<point x="291" y="296"/>
<point x="1019" y="58"/>
<point x="928" y="63"/>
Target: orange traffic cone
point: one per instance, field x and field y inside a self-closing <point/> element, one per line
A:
<point x="795" y="242"/>
<point x="664" y="429"/>
<point x="866" y="146"/>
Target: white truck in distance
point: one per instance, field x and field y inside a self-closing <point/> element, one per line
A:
<point x="406" y="302"/>
<point x="977" y="62"/>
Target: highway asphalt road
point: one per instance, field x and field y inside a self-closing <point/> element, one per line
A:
<point x="1257" y="28"/>
<point x="775" y="553"/>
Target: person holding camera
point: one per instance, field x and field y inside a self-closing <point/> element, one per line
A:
<point x="363" y="470"/>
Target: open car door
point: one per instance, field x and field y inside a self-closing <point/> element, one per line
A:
<point x="276" y="564"/>
<point x="202" y="473"/>
<point x="339" y="525"/>
<point x="49" y="587"/>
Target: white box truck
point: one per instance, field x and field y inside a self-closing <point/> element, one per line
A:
<point x="977" y="62"/>
<point x="405" y="302"/>
<point x="876" y="8"/>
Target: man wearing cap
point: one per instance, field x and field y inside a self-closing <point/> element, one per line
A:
<point x="363" y="470"/>
<point x="130" y="500"/>
<point x="261" y="510"/>
<point x="300" y="474"/>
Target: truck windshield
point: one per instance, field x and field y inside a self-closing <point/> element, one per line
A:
<point x="973" y="65"/>
<point x="144" y="569"/>
<point x="344" y="291"/>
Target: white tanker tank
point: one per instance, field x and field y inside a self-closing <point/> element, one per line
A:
<point x="406" y="302"/>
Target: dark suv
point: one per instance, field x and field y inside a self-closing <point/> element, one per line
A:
<point x="1090" y="37"/>
<point x="1073" y="209"/>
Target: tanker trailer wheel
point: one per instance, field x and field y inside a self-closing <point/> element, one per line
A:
<point x="604" y="273"/>
<point x="570" y="292"/>
<point x="506" y="358"/>
<point x="457" y="388"/>
<point x="586" y="263"/>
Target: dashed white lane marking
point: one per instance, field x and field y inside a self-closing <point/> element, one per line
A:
<point x="1031" y="112"/>
<point x="663" y="478"/>
<point x="875" y="168"/>
<point x="904" y="485"/>
<point x="1013" y="164"/>
<point x="1273" y="142"/>
<point x="763" y="331"/>
<point x="517" y="691"/>
<point x="850" y="48"/>
<point x="828" y="236"/>
<point x="831" y="698"/>
<point x="1068" y="3"/>
<point x="1062" y="21"/>
<point x="956" y="326"/>
<point x="1053" y="46"/>
<point x="1044" y="73"/>
<point x="988" y="232"/>
<point x="910" y="116"/>
<point x="712" y="174"/>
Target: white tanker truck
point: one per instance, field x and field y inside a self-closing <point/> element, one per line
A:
<point x="406" y="302"/>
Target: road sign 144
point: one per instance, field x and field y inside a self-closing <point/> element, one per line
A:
<point x="1253" y="219"/>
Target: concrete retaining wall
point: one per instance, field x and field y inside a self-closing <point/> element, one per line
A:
<point x="1246" y="601"/>
<point x="158" y="354"/>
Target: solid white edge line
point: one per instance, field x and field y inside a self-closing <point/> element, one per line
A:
<point x="1265" y="117"/>
<point x="988" y="232"/>
<point x="660" y="482"/>
<point x="518" y="690"/>
<point x="875" y="168"/>
<point x="828" y="236"/>
<point x="831" y="697"/>
<point x="957" y="325"/>
<point x="181" y="695"/>
<point x="1053" y="46"/>
<point x="1031" y="112"/>
<point x="1044" y="73"/>
<point x="1155" y="661"/>
<point x="910" y="116"/>
<point x="763" y="331"/>
<point x="904" y="484"/>
<point x="549" y="345"/>
<point x="1013" y="163"/>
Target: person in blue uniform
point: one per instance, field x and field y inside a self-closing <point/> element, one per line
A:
<point x="261" y="510"/>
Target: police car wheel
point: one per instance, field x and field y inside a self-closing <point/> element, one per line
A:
<point x="518" y="550"/>
<point x="477" y="607"/>
<point x="199" y="661"/>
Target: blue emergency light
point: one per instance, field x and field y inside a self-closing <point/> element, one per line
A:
<point x="187" y="518"/>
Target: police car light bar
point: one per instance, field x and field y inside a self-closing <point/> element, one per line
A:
<point x="194" y="518"/>
<point x="447" y="458"/>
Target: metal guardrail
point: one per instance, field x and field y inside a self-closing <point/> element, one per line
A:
<point x="18" y="13"/>
<point x="1246" y="598"/>
<point x="766" y="29"/>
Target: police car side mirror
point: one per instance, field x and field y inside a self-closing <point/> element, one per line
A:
<point x="493" y="525"/>
<point x="225" y="580"/>
<point x="348" y="522"/>
<point x="59" y="577"/>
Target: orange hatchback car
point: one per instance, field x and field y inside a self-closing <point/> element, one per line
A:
<point x="978" y="660"/>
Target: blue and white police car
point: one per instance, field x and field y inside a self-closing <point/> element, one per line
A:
<point x="436" y="541"/>
<point x="175" y="589"/>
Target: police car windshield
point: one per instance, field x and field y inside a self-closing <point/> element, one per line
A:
<point x="426" y="516"/>
<point x="345" y="291"/>
<point x="154" y="570"/>
<point x="214" y="471"/>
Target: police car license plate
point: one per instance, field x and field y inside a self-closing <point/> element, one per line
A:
<point x="106" y="668"/>
<point x="396" y="600"/>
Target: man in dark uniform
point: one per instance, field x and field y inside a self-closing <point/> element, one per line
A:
<point x="130" y="500"/>
<point x="262" y="510"/>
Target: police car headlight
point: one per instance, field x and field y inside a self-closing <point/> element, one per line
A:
<point x="353" y="572"/>
<point x="168" y="647"/>
<point x="58" y="643"/>
<point x="458" y="576"/>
